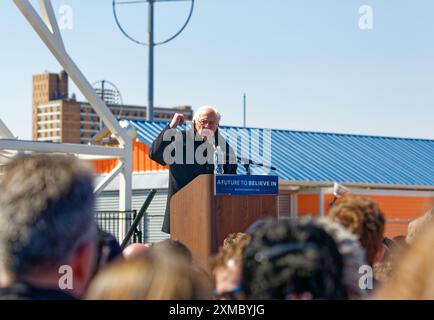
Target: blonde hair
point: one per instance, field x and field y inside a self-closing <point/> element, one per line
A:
<point x="152" y="276"/>
<point x="416" y="226"/>
<point x="413" y="277"/>
<point x="232" y="250"/>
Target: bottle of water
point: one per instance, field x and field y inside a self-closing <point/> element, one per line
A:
<point x="218" y="161"/>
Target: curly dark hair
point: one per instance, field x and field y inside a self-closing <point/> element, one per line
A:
<point x="364" y="218"/>
<point x="288" y="258"/>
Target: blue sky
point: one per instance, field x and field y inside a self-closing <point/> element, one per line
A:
<point x="304" y="64"/>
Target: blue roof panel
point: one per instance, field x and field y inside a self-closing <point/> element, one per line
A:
<point x="325" y="157"/>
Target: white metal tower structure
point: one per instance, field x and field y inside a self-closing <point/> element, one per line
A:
<point x="46" y="27"/>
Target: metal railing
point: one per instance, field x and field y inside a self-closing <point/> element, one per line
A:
<point x="112" y="221"/>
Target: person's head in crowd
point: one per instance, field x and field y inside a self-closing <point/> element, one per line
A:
<point x="413" y="276"/>
<point x="382" y="271"/>
<point x="151" y="276"/>
<point x="226" y="266"/>
<point x="399" y="241"/>
<point x="47" y="223"/>
<point x="135" y="250"/>
<point x="418" y="225"/>
<point x="255" y="226"/>
<point x="395" y="249"/>
<point x="353" y="255"/>
<point x="292" y="260"/>
<point x="364" y="218"/>
<point x="108" y="248"/>
<point x="387" y="242"/>
<point x="173" y="247"/>
<point x="234" y="238"/>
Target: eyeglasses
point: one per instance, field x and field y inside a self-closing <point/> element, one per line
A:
<point x="206" y="122"/>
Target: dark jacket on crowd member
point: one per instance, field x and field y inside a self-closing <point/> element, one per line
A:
<point x="25" y="291"/>
<point x="180" y="174"/>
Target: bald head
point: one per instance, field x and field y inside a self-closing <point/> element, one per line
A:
<point x="135" y="250"/>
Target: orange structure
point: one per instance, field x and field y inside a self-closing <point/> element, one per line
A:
<point x="141" y="161"/>
<point x="399" y="206"/>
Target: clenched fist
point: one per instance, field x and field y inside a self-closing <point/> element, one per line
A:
<point x="177" y="120"/>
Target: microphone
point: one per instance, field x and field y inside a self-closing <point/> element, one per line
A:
<point x="338" y="192"/>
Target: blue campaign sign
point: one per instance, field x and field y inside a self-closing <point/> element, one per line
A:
<point x="227" y="184"/>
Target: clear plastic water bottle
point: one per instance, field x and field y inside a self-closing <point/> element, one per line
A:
<point x="218" y="160"/>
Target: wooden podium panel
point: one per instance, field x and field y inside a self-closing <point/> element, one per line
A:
<point x="237" y="213"/>
<point x="201" y="220"/>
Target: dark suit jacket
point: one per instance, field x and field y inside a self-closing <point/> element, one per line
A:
<point x="25" y="291"/>
<point x="180" y="174"/>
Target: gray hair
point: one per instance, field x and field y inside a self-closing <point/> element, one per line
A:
<point x="46" y="212"/>
<point x="352" y="252"/>
<point x="203" y="109"/>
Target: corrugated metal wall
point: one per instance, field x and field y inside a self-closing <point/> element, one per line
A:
<point x="330" y="157"/>
<point x="284" y="206"/>
<point x="153" y="219"/>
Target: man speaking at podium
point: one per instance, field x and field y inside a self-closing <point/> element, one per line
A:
<point x="184" y="152"/>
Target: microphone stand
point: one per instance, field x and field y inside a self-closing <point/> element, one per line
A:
<point x="333" y="202"/>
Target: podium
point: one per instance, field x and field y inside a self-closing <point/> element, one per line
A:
<point x="203" y="213"/>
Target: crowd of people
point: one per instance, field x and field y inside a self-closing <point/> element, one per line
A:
<point x="52" y="248"/>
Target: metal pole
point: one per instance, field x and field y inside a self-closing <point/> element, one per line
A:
<point x="101" y="123"/>
<point x="244" y="106"/>
<point x="151" y="44"/>
<point x="102" y="90"/>
<point x="150" y="111"/>
<point x="139" y="216"/>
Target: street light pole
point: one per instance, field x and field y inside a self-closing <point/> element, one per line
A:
<point x="150" y="43"/>
<point x="150" y="109"/>
<point x="244" y="107"/>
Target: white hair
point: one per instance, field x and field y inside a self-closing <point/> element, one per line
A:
<point x="202" y="110"/>
<point x="353" y="255"/>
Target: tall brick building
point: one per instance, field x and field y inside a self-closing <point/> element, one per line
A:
<point x="57" y="117"/>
